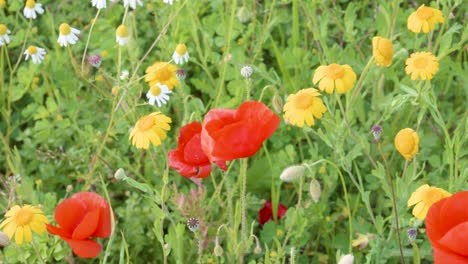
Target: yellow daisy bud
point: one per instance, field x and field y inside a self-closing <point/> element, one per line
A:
<point x="382" y="49"/>
<point x="407" y="143"/>
<point x="424" y="197"/>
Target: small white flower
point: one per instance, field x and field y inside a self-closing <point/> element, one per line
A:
<point x="132" y="3"/>
<point x="292" y="173"/>
<point x="346" y="259"/>
<point x="31" y="8"/>
<point x="99" y="3"/>
<point x="121" y="35"/>
<point x="4" y="35"/>
<point x="159" y="93"/>
<point x="67" y="35"/>
<point x="246" y="72"/>
<point x="180" y="55"/>
<point x="36" y="53"/>
<point x="169" y="2"/>
<point x="124" y="75"/>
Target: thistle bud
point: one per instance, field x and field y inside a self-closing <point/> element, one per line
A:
<point x="292" y="173"/>
<point x="193" y="224"/>
<point x="181" y="74"/>
<point x="95" y="60"/>
<point x="315" y="190"/>
<point x="412" y="233"/>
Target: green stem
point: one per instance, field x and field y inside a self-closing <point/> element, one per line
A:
<point x="358" y="86"/>
<point x="89" y="38"/>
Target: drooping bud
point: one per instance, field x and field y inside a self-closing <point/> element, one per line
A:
<point x="315" y="190"/>
<point x="292" y="173"/>
<point x="277" y="103"/>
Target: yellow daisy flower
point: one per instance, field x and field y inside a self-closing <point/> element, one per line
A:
<point x="422" y="65"/>
<point x="163" y="73"/>
<point x="21" y="220"/>
<point x="2" y="3"/>
<point x="382" y="49"/>
<point x="424" y="19"/>
<point x="407" y="143"/>
<point x="335" y="76"/>
<point x="150" y="128"/>
<point x="31" y="8"/>
<point x="424" y="197"/>
<point x="303" y="107"/>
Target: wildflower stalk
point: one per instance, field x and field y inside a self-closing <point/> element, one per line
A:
<point x="38" y="253"/>
<point x="23" y="48"/>
<point x="89" y="38"/>
<point x="395" y="210"/>
<point x="358" y="86"/>
<point x="298" y="205"/>
<point x="243" y="182"/>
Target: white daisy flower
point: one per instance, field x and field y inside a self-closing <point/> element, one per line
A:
<point x="99" y="3"/>
<point x="124" y="75"/>
<point x="67" y="35"/>
<point x="159" y="93"/>
<point x="121" y="35"/>
<point x="132" y="3"/>
<point x="4" y="35"/>
<point x="169" y="2"/>
<point x="37" y="54"/>
<point x="180" y="55"/>
<point x="31" y="8"/>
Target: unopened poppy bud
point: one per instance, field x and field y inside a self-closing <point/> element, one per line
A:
<point x="346" y="259"/>
<point x="315" y="190"/>
<point x="243" y="14"/>
<point x="218" y="250"/>
<point x="246" y="72"/>
<point x="277" y="103"/>
<point x="95" y="60"/>
<point x="258" y="250"/>
<point x="69" y="188"/>
<point x="292" y="173"/>
<point x="4" y="240"/>
<point x="407" y="143"/>
<point x="193" y="224"/>
<point x="120" y="174"/>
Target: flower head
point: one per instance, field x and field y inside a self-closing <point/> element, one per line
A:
<point x="99" y="3"/>
<point x="231" y="134"/>
<point x="37" y="54"/>
<point x="447" y="229"/>
<point x="124" y="75"/>
<point x="422" y="65"/>
<point x="163" y="73"/>
<point x="67" y="35"/>
<point x="150" y="129"/>
<point x="303" y="106"/>
<point x="407" y="143"/>
<point x="158" y="93"/>
<point x="4" y="35"/>
<point x="80" y="218"/>
<point x="376" y="131"/>
<point x="193" y="224"/>
<point x="95" y="60"/>
<point x="121" y="35"/>
<point x="181" y="74"/>
<point x="382" y="49"/>
<point x="266" y="213"/>
<point x="424" y="19"/>
<point x="132" y="3"/>
<point x="424" y="197"/>
<point x="334" y="76"/>
<point x="21" y="220"/>
<point x="188" y="159"/>
<point x="180" y="55"/>
<point x="246" y="72"/>
<point x="31" y="8"/>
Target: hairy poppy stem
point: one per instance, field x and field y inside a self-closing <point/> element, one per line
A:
<point x="243" y="182"/>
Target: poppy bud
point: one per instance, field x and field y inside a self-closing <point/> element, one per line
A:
<point x="292" y="173"/>
<point x="4" y="240"/>
<point x="218" y="250"/>
<point x="120" y="174"/>
<point x="346" y="259"/>
<point x="277" y="103"/>
<point x="243" y="14"/>
<point x="69" y="188"/>
<point x="407" y="143"/>
<point x="315" y="190"/>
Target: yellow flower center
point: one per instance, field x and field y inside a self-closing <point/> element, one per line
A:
<point x="122" y="31"/>
<point x="181" y="49"/>
<point x="30" y="3"/>
<point x="3" y="30"/>
<point x="420" y="63"/>
<point x="64" y="29"/>
<point x="304" y="100"/>
<point x="32" y="50"/>
<point x="23" y="217"/>
<point x="163" y="74"/>
<point x="424" y="12"/>
<point x="145" y="123"/>
<point x="155" y="90"/>
<point x="335" y="71"/>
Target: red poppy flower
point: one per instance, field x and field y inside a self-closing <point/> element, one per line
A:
<point x="232" y="134"/>
<point x="188" y="159"/>
<point x="266" y="213"/>
<point x="447" y="229"/>
<point x="81" y="217"/>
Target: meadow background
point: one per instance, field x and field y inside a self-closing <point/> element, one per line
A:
<point x="65" y="130"/>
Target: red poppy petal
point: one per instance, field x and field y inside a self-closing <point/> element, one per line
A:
<point x="446" y="257"/>
<point x="265" y="121"/>
<point x="454" y="211"/>
<point x="457" y="239"/>
<point x="57" y="231"/>
<point x="176" y="162"/>
<point x="84" y="248"/>
<point x="87" y="226"/>
<point x="235" y="141"/>
<point x="69" y="213"/>
<point x="187" y="132"/>
<point x="221" y="164"/>
<point x="95" y="201"/>
<point x="204" y="171"/>
<point x="193" y="152"/>
<point x="264" y="215"/>
<point x="214" y="120"/>
<point x="434" y="222"/>
<point x="282" y="211"/>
